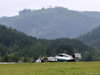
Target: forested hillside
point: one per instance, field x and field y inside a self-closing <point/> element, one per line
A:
<point x="92" y="38"/>
<point x="16" y="46"/>
<point x="53" y="23"/>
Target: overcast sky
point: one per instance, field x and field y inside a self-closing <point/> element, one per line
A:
<point x="11" y="7"/>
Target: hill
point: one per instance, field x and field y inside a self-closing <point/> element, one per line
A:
<point x="92" y="38"/>
<point x="53" y="23"/>
<point x="16" y="46"/>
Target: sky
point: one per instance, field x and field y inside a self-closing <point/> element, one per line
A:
<point x="12" y="7"/>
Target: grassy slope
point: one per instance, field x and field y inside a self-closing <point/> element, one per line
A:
<point x="61" y="68"/>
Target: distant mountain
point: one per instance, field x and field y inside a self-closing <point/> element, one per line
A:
<point x="92" y="38"/>
<point x="53" y="23"/>
<point x="92" y="14"/>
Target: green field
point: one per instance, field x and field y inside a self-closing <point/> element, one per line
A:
<point x="53" y="68"/>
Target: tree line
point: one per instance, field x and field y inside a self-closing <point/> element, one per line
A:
<point x="15" y="46"/>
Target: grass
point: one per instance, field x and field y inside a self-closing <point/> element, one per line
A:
<point x="53" y="68"/>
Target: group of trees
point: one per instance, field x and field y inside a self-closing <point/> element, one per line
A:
<point x="15" y="46"/>
<point x="92" y="38"/>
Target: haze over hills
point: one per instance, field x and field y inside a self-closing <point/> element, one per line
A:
<point x="53" y="23"/>
<point x="92" y="38"/>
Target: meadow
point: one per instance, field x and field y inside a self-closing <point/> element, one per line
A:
<point x="51" y="68"/>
